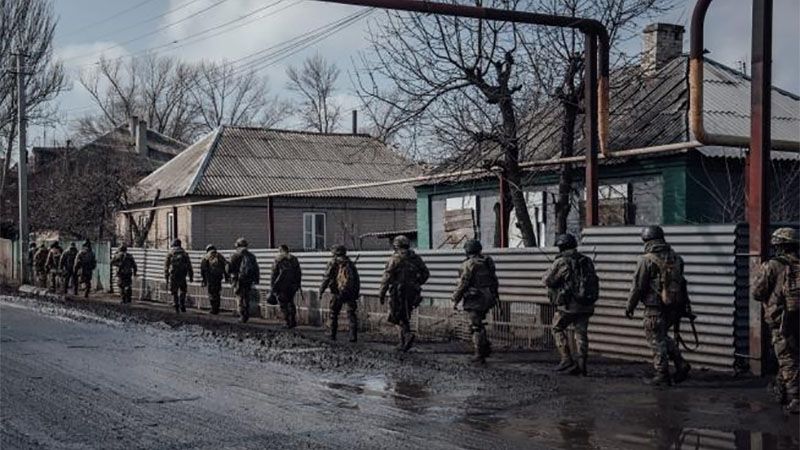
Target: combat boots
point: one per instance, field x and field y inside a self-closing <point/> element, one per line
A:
<point x="682" y="369"/>
<point x="580" y="367"/>
<point x="660" y="379"/>
<point x="334" y="327"/>
<point x="353" y="334"/>
<point x="402" y="344"/>
<point x="793" y="407"/>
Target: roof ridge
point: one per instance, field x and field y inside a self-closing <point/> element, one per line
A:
<point x="201" y="170"/>
<point x="307" y="132"/>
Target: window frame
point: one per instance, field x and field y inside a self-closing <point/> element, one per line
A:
<point x="313" y="215"/>
<point x="170" y="227"/>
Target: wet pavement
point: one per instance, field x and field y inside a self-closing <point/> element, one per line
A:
<point x="75" y="375"/>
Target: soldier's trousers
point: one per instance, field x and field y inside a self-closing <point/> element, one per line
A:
<point x="656" y="330"/>
<point x="55" y="277"/>
<point x="400" y="310"/>
<point x="86" y="280"/>
<point x="214" y="288"/>
<point x="788" y="354"/>
<point x="243" y="294"/>
<point x="177" y="287"/>
<point x="289" y="309"/>
<point x="580" y="324"/>
<point x="352" y="317"/>
<point x="71" y="279"/>
<point x="41" y="278"/>
<point x="477" y="326"/>
<point x="125" y="284"/>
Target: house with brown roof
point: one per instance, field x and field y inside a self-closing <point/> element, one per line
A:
<point x="268" y="167"/>
<point x="649" y="107"/>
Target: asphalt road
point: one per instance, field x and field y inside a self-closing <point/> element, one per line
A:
<point x="83" y="381"/>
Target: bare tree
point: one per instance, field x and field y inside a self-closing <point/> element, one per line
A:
<point x="315" y="85"/>
<point x="475" y="88"/>
<point x="26" y="26"/>
<point x="224" y="97"/>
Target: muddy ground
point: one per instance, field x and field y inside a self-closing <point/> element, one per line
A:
<point x="89" y="374"/>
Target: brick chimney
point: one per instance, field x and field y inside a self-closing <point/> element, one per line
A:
<point x="662" y="43"/>
<point x="141" y="138"/>
<point x="133" y="122"/>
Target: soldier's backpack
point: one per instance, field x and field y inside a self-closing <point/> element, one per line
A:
<point x="248" y="271"/>
<point x="584" y="285"/>
<point x="179" y="264"/>
<point x="347" y="282"/>
<point x="216" y="266"/>
<point x="671" y="280"/>
<point x="790" y="291"/>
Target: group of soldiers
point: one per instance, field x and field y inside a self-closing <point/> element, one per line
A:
<point x="54" y="269"/>
<point x="573" y="288"/>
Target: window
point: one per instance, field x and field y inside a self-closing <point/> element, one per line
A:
<point x="462" y="202"/>
<point x="614" y="203"/>
<point x="314" y="231"/>
<point x="537" y="208"/>
<point x="170" y="228"/>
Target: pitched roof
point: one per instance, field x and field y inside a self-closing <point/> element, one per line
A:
<point x="654" y="110"/>
<point x="160" y="147"/>
<point x="241" y="161"/>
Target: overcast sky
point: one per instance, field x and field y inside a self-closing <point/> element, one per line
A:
<point x="83" y="33"/>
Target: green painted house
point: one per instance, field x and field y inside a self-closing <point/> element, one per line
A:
<point x="649" y="106"/>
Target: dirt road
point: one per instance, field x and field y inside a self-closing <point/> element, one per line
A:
<point x="72" y="378"/>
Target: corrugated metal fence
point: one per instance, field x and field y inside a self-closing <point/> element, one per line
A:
<point x="524" y="315"/>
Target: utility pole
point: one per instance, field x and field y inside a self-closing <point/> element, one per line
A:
<point x="22" y="167"/>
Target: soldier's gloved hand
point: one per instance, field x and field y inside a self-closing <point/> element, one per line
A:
<point x="629" y="313"/>
<point x="191" y="279"/>
<point x="382" y="299"/>
<point x="455" y="306"/>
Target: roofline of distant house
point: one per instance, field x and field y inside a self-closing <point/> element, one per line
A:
<point x="307" y="132"/>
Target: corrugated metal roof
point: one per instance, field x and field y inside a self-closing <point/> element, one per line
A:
<point x="160" y="147"/>
<point x="653" y="110"/>
<point x="740" y="153"/>
<point x="240" y="161"/>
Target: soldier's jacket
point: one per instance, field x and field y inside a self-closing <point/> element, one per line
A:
<point x="477" y="284"/>
<point x="169" y="270"/>
<point x="40" y="259"/>
<point x="647" y="280"/>
<point x="331" y="274"/>
<point x="235" y="267"/>
<point x="67" y="261"/>
<point x="84" y="262"/>
<point x="213" y="267"/>
<point x="557" y="277"/>
<point x="286" y="273"/>
<point x="53" y="258"/>
<point x="405" y="269"/>
<point x="766" y="287"/>
<point x="125" y="264"/>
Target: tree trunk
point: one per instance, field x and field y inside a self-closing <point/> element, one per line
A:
<point x="6" y="166"/>
<point x="562" y="205"/>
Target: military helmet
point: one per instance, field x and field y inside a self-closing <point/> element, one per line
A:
<point x="32" y="245"/>
<point x="783" y="236"/>
<point x="473" y="247"/>
<point x="210" y="247"/>
<point x="241" y="242"/>
<point x="652" y="232"/>
<point x="176" y="243"/>
<point x="339" y="250"/>
<point x="54" y="244"/>
<point x="566" y="241"/>
<point x="401" y="242"/>
<point x="123" y="248"/>
<point x="72" y="245"/>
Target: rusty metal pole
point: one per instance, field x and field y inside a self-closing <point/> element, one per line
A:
<point x="759" y="163"/>
<point x="502" y="222"/>
<point x="271" y="223"/>
<point x="590" y="123"/>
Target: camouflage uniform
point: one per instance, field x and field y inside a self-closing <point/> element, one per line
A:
<point x="83" y="268"/>
<point x="339" y="298"/>
<point x="783" y="324"/>
<point x="657" y="318"/>
<point x="126" y="270"/>
<point x="175" y="274"/>
<point x="243" y="288"/>
<point x="477" y="287"/>
<point x="568" y="311"/>
<point x="67" y="264"/>
<point x="51" y="265"/>
<point x="284" y="283"/>
<point x="403" y="277"/>
<point x="40" y="265"/>
<point x="213" y="269"/>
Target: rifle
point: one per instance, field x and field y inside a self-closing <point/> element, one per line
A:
<point x="686" y="311"/>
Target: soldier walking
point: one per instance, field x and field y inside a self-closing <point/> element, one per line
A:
<point x="51" y="265"/>
<point x="403" y="277"/>
<point x="178" y="266"/>
<point x="40" y="265"/>
<point x="477" y="288"/>
<point x="573" y="288"/>
<point x="777" y="287"/>
<point x="341" y="276"/>
<point x="213" y="269"/>
<point x="67" y="264"/>
<point x="285" y="281"/>
<point x="85" y="263"/>
<point x="126" y="270"/>
<point x="658" y="283"/>
<point x="244" y="273"/>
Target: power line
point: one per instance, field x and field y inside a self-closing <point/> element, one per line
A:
<point x="142" y="36"/>
<point x="113" y="16"/>
<point x="117" y="31"/>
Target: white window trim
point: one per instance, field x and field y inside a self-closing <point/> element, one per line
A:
<point x="313" y="215"/>
<point x="170" y="227"/>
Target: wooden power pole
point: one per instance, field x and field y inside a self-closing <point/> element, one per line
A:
<point x="22" y="167"/>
